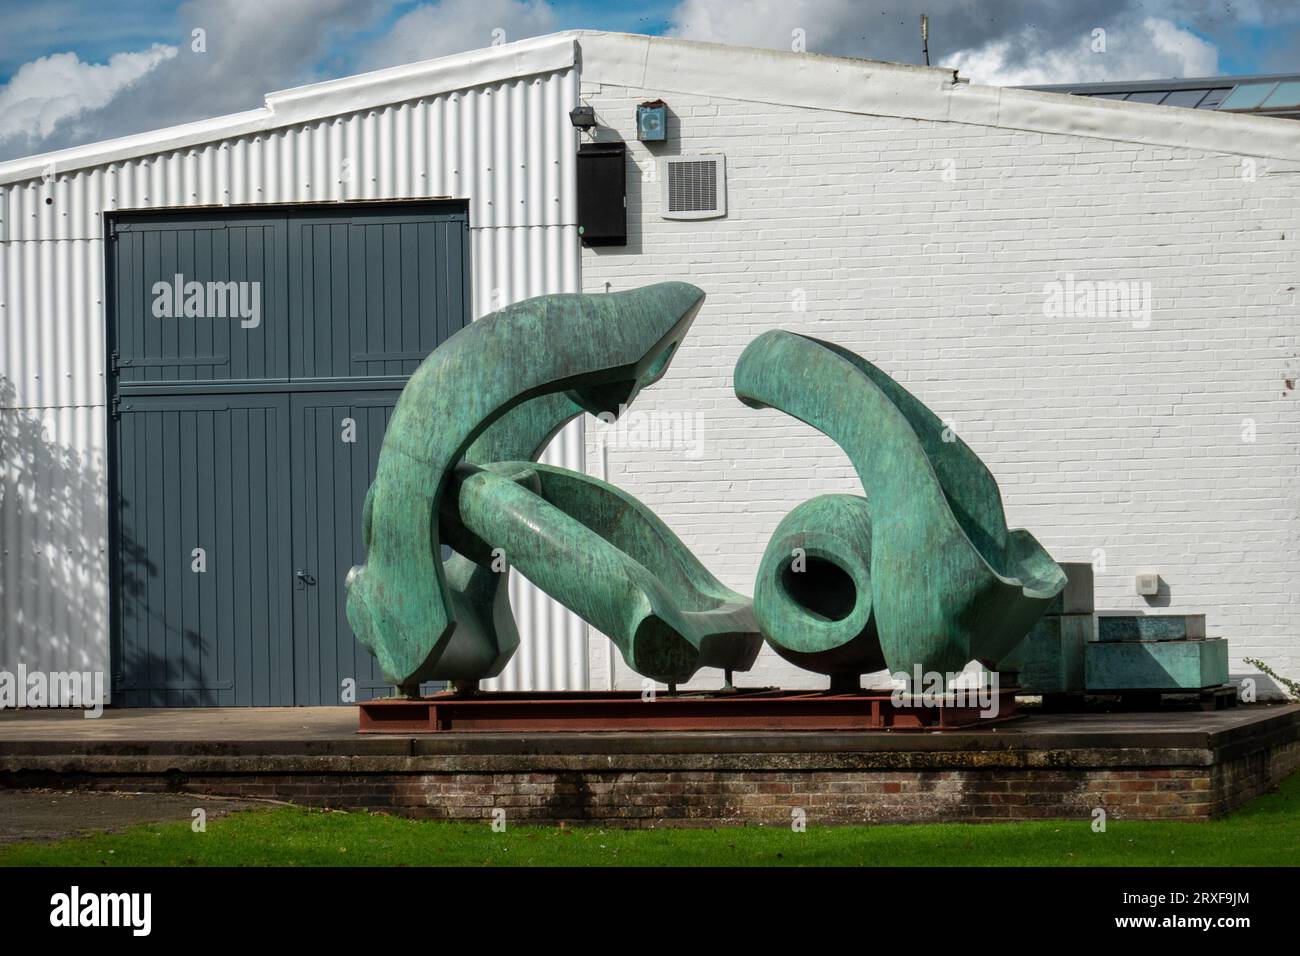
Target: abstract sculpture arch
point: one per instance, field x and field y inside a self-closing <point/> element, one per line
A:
<point x="949" y="583"/>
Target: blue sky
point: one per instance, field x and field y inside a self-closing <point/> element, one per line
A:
<point x="75" y="71"/>
<point x="95" y="31"/>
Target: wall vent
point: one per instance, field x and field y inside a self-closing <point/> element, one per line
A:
<point x="694" y="187"/>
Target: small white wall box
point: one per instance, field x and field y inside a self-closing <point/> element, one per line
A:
<point x="1148" y="584"/>
<point x="693" y="187"/>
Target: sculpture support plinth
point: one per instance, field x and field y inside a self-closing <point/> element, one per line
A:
<point x="738" y="710"/>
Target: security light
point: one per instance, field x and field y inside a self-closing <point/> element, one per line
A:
<point x="583" y="117"/>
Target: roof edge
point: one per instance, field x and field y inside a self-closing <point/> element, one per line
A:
<point x="318" y="101"/>
<point x="667" y="64"/>
<point x="660" y="64"/>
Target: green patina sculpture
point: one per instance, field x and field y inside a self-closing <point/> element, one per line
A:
<point x="813" y="592"/>
<point x="920" y="571"/>
<point x="925" y="564"/>
<point x="606" y="557"/>
<point x="455" y="471"/>
<point x="485" y="636"/>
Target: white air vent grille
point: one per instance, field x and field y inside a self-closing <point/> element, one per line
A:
<point x="694" y="187"/>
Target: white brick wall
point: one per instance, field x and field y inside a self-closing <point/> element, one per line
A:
<point x="1101" y="435"/>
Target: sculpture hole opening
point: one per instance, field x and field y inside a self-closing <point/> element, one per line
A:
<point x="822" y="588"/>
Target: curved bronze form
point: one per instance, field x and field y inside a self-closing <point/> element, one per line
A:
<point x="949" y="582"/>
<point x="608" y="558"/>
<point x="485" y="636"/>
<point x="499" y="389"/>
<point x="813" y="592"/>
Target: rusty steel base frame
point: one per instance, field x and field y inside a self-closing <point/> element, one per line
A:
<point x="754" y="709"/>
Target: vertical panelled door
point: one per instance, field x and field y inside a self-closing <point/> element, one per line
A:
<point x="256" y="356"/>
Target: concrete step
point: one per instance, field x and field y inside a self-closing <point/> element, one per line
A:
<point x="1122" y="626"/>
<point x="1155" y="665"/>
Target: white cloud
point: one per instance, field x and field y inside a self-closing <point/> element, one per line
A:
<point x="453" y="26"/>
<point x="1189" y="54"/>
<point x="59" y="88"/>
<point x="251" y="47"/>
<point x="1010" y="42"/>
<point x="1151" y="49"/>
<point x="769" y="23"/>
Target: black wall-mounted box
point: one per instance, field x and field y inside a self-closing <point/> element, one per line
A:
<point x="602" y="194"/>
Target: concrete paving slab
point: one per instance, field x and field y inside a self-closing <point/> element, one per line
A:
<point x="44" y="815"/>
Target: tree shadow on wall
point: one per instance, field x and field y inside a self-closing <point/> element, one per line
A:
<point x="53" y="580"/>
<point x="54" y="559"/>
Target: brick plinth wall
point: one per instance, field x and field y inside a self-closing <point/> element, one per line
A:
<point x="709" y="789"/>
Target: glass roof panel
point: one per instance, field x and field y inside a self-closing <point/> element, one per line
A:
<point x="1286" y="94"/>
<point x="1247" y="96"/>
<point x="1187" y="98"/>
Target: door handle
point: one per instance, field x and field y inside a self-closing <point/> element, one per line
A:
<point x="304" y="578"/>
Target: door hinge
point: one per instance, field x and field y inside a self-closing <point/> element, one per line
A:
<point x="115" y="407"/>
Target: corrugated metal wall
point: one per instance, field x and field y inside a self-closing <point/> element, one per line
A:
<point x="507" y="147"/>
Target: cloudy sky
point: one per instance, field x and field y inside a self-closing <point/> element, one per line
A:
<point x="76" y="71"/>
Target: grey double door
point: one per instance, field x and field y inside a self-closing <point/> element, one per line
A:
<point x="242" y="444"/>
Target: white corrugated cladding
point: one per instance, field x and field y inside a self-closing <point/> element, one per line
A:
<point x="491" y="127"/>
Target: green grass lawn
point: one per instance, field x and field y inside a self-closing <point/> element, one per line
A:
<point x="1265" y="833"/>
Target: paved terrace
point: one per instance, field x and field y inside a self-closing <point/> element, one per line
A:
<point x="332" y="730"/>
